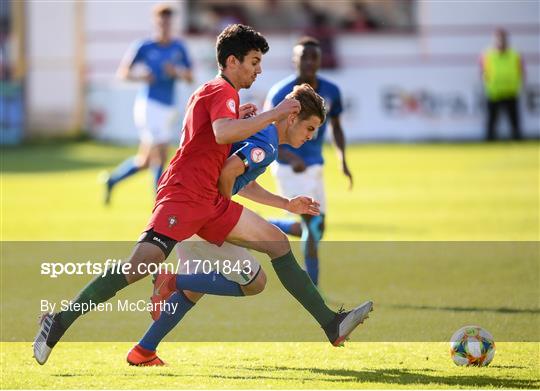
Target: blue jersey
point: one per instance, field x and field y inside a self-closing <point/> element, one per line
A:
<point x="257" y="152"/>
<point x="310" y="151"/>
<point x="155" y="56"/>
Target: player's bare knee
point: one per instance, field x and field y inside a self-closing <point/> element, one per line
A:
<point x="142" y="163"/>
<point x="158" y="160"/>
<point x="145" y="259"/>
<point x="139" y="271"/>
<point x="277" y="235"/>
<point x="283" y="245"/>
<point x="271" y="241"/>
<point x="282" y="248"/>
<point x="256" y="286"/>
<point x="143" y="160"/>
<point x="278" y="249"/>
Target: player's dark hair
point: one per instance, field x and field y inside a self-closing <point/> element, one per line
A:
<point x="166" y="12"/>
<point x="311" y="103"/>
<point x="163" y="9"/>
<point x="308" y="41"/>
<point x="238" y="40"/>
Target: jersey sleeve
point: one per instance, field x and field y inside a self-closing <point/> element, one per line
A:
<point x="223" y="103"/>
<point x="254" y="156"/>
<point x="337" y="107"/>
<point x="134" y="54"/>
<point x="274" y="97"/>
<point x="277" y="98"/>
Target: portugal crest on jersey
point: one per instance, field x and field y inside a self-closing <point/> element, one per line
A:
<point x="172" y="221"/>
<point x="231" y="105"/>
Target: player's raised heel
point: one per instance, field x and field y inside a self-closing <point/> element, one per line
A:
<point x="141" y="357"/>
<point x="50" y="332"/>
<point x="344" y="323"/>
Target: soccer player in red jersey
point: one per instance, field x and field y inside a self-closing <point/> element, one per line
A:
<point x="188" y="201"/>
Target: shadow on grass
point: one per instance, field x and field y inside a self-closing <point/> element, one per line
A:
<point x="401" y="377"/>
<point x="392" y="377"/>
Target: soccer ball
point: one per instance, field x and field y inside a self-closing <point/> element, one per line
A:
<point x="472" y="346"/>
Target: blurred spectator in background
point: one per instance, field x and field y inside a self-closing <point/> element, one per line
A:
<point x="359" y="20"/>
<point x="322" y="30"/>
<point x="164" y="60"/>
<point x="313" y="17"/>
<point x="5" y="61"/>
<point x="503" y="73"/>
<point x="226" y="14"/>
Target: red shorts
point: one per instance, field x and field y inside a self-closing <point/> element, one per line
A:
<point x="183" y="219"/>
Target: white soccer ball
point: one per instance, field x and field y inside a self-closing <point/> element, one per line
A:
<point x="472" y="346"/>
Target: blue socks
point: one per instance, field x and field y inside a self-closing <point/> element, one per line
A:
<point x="283" y="224"/>
<point x="166" y="322"/>
<point x="312" y="269"/>
<point x="157" y="170"/>
<point x="212" y="283"/>
<point x="312" y="231"/>
<point x="124" y="170"/>
<point x="129" y="167"/>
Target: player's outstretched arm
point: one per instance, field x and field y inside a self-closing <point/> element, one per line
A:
<point x="228" y="131"/>
<point x="232" y="169"/>
<point x="339" y="141"/>
<point x="299" y="205"/>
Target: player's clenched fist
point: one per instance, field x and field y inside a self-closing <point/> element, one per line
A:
<point x="247" y="110"/>
<point x="286" y="108"/>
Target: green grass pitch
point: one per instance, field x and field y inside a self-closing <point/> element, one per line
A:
<point x="422" y="193"/>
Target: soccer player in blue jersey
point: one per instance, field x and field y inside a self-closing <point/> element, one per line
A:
<point x="300" y="170"/>
<point x="165" y="60"/>
<point x="247" y="162"/>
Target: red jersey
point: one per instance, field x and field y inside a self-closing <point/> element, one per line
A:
<point x="195" y="168"/>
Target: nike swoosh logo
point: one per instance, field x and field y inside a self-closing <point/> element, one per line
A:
<point x="157" y="289"/>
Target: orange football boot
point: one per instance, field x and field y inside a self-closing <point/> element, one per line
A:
<point x="142" y="357"/>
